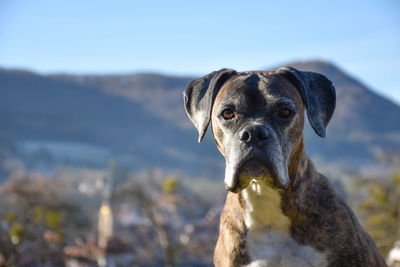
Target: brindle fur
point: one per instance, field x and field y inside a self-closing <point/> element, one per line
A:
<point x="318" y="216"/>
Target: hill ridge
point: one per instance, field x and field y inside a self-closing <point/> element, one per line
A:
<point x="142" y="115"/>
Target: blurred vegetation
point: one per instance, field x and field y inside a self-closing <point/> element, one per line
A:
<point x="36" y="220"/>
<point x="176" y="222"/>
<point x="50" y="220"/>
<point x="381" y="210"/>
<point x="169" y="185"/>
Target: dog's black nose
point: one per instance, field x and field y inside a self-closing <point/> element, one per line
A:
<point x="254" y="134"/>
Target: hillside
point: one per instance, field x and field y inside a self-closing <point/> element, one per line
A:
<point x="140" y="120"/>
<point x="49" y="113"/>
<point x="160" y="95"/>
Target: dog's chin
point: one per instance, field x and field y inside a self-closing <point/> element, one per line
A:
<point x="239" y="177"/>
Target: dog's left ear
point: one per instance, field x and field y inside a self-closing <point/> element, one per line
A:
<point x="199" y="98"/>
<point x="318" y="94"/>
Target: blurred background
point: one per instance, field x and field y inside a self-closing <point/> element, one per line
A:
<point x="99" y="165"/>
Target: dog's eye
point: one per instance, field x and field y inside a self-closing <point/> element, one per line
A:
<point x="284" y="113"/>
<point x="227" y="114"/>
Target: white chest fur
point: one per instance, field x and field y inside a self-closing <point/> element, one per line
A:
<point x="268" y="241"/>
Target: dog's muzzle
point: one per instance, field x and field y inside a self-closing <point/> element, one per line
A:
<point x="253" y="157"/>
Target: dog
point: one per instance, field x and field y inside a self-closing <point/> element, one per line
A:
<point x="279" y="210"/>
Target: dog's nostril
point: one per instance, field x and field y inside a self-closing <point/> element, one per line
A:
<point x="245" y="136"/>
<point x="261" y="134"/>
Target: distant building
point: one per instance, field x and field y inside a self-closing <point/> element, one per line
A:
<point x="105" y="227"/>
<point x="105" y="224"/>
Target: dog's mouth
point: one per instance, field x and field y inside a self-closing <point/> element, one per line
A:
<point x="239" y="177"/>
<point x="254" y="168"/>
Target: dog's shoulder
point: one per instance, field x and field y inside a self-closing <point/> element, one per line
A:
<point x="231" y="245"/>
<point x="328" y="224"/>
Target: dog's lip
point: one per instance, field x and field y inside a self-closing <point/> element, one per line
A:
<point x="246" y="161"/>
<point x="251" y="157"/>
<point x="252" y="163"/>
<point x="233" y="189"/>
<point x="251" y="154"/>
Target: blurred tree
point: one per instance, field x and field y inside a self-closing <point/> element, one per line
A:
<point x="381" y="210"/>
<point x="176" y="223"/>
<point x="37" y="217"/>
<point x="147" y="195"/>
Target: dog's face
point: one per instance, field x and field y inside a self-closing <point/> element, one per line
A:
<point x="258" y="118"/>
<point x="257" y="121"/>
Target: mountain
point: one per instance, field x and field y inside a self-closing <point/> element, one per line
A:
<point x="60" y="119"/>
<point x="140" y="120"/>
<point x="160" y="95"/>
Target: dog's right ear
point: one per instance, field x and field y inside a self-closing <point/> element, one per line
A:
<point x="199" y="98"/>
<point x="318" y="93"/>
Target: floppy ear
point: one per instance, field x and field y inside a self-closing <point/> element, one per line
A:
<point x="199" y="98"/>
<point x="318" y="95"/>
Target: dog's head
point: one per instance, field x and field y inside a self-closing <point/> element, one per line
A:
<point x="258" y="117"/>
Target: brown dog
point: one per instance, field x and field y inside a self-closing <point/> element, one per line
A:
<point x="280" y="211"/>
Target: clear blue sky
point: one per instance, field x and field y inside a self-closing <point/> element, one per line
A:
<point x="196" y="37"/>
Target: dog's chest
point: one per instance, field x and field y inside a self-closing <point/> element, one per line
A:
<point x="268" y="241"/>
